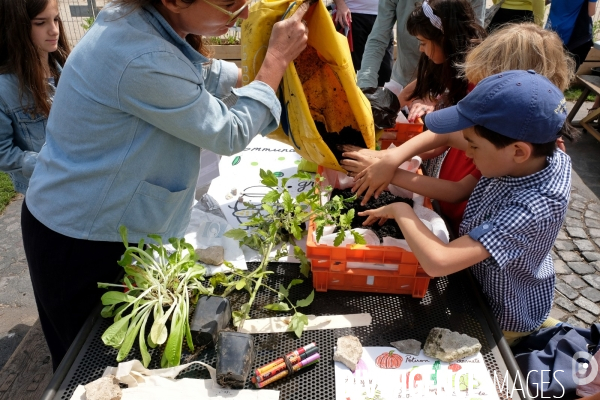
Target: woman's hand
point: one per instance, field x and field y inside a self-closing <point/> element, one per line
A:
<point x="343" y="16"/>
<point x="288" y="39"/>
<point x="419" y="108"/>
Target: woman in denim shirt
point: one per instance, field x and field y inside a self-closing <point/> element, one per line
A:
<point x="33" y="48"/>
<point x="138" y="99"/>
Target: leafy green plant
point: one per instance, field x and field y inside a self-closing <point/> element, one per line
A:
<point x="157" y="287"/>
<point x="87" y="23"/>
<point x="230" y="38"/>
<point x="278" y="220"/>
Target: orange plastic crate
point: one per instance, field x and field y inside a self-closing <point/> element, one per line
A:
<point x="404" y="131"/>
<point x="335" y="268"/>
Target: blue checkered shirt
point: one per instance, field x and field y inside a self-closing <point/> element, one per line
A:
<point x="517" y="221"/>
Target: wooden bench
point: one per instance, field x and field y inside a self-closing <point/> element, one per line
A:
<point x="591" y="83"/>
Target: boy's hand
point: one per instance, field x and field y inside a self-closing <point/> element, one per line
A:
<point x="384" y="213"/>
<point x="375" y="179"/>
<point x="356" y="159"/>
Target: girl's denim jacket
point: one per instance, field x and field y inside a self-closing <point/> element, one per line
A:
<point x="22" y="134"/>
<point x="134" y="106"/>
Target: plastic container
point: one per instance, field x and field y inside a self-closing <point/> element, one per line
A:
<point x="235" y="356"/>
<point x="339" y="268"/>
<point x="212" y="314"/>
<point x="403" y="132"/>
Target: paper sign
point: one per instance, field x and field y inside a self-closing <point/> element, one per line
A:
<point x="384" y="373"/>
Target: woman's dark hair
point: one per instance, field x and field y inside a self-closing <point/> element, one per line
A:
<point x="19" y="56"/>
<point x="193" y="40"/>
<point x="460" y="34"/>
<point x="539" y="149"/>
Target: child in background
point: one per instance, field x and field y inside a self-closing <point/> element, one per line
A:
<point x="511" y="122"/>
<point x="523" y="46"/>
<point x="33" y="49"/>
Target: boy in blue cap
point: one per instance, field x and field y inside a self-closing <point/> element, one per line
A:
<point x="511" y="121"/>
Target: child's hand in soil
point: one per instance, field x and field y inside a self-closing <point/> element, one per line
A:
<point x="355" y="159"/>
<point x="382" y="214"/>
<point x="375" y="178"/>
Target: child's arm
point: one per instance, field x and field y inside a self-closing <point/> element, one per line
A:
<point x="379" y="172"/>
<point x="439" y="189"/>
<point x="436" y="258"/>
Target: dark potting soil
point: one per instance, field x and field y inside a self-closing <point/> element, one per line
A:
<point x="334" y="140"/>
<point x="389" y="228"/>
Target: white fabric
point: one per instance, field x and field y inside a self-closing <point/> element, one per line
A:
<point x="160" y="384"/>
<point x="363" y="6"/>
<point x="435" y="20"/>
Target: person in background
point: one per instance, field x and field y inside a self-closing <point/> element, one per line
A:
<point x="359" y="16"/>
<point x="517" y="11"/>
<point x="516" y="46"/>
<point x="138" y="99"/>
<point x="390" y="13"/>
<point x="572" y="21"/>
<point x="33" y="50"/>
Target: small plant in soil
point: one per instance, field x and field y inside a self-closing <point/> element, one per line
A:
<point x="158" y="288"/>
<point x="278" y="220"/>
<point x="389" y="228"/>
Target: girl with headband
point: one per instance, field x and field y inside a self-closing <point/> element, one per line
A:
<point x="446" y="30"/>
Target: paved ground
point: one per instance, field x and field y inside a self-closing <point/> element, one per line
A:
<point x="576" y="254"/>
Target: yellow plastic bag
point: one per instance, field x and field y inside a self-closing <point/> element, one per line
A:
<point x="321" y="102"/>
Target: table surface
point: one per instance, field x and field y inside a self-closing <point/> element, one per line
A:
<point x="451" y="302"/>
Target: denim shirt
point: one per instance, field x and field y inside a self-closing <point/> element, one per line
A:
<point x="134" y="106"/>
<point x="405" y="67"/>
<point x="22" y="134"/>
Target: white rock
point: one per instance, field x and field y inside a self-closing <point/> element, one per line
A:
<point x="105" y="388"/>
<point x="348" y="351"/>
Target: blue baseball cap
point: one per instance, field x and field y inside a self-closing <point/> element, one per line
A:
<point x="522" y="105"/>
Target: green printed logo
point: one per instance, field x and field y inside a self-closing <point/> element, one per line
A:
<point x="236" y="160"/>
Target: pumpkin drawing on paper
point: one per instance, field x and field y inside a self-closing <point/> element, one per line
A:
<point x="389" y="360"/>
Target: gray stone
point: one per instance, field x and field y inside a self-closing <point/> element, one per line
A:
<point x="587" y="305"/>
<point x="576" y="196"/>
<point x="585" y="316"/>
<point x="584" y="245"/>
<point x="594" y="232"/>
<point x="574" y="281"/>
<point x="449" y="346"/>
<point x="105" y="388"/>
<point x="575" y="232"/>
<point x="567" y="290"/>
<point x="591" y="256"/>
<point x="348" y="351"/>
<point x="408" y="346"/>
<point x="593" y="281"/>
<point x="574" y="222"/>
<point x="575" y="322"/>
<point x="597" y="241"/>
<point x="577" y="205"/>
<point x="561" y="268"/>
<point x="581" y="268"/>
<point x="213" y="255"/>
<point x="592" y="214"/>
<point x="564" y="245"/>
<point x="592" y="223"/>
<point x="594" y="207"/>
<point x="557" y="314"/>
<point x="574" y="214"/>
<point x="566" y="304"/>
<point x="596" y="265"/>
<point x="569" y="256"/>
<point x="562" y="235"/>
<point x="591" y="294"/>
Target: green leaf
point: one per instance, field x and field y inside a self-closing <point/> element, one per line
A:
<point x="287" y="202"/>
<point x="304" y="262"/>
<point x="142" y="343"/>
<point x="268" y="208"/>
<point x="296" y="231"/>
<point x="297" y="323"/>
<point x="294" y="282"/>
<point x="172" y="353"/>
<point x="236" y="234"/>
<point x="306" y="301"/>
<point x="339" y="238"/>
<point x="114" y="334"/>
<point x="281" y="306"/>
<point x="283" y="292"/>
<point x="123" y="232"/>
<point x="131" y="334"/>
<point x="271" y="197"/>
<point x="358" y="238"/>
<point x="268" y="178"/>
<point x="240" y="284"/>
<point x="107" y="311"/>
<point x="114" y="297"/>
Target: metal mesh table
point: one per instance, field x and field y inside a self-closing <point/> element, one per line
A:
<point x="451" y="302"/>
